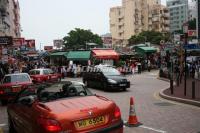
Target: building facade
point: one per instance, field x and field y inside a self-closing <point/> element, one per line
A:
<point x="10" y="18"/>
<point x="178" y="14"/>
<point x="130" y="19"/>
<point x="192" y="6"/>
<point x="159" y="18"/>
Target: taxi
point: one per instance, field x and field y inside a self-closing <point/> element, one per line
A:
<point x="44" y="75"/>
<point x="12" y="84"/>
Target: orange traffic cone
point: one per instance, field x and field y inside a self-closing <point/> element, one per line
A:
<point x="132" y="121"/>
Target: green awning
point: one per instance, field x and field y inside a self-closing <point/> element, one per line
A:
<point x="147" y="49"/>
<point x="59" y="54"/>
<point x="78" y="55"/>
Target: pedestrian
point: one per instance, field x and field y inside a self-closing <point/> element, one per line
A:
<point x="149" y="65"/>
<point x="139" y="67"/>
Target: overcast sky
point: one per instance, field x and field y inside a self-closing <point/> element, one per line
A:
<point x="46" y="20"/>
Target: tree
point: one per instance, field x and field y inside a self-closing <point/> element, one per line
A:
<point x="192" y="24"/>
<point x="78" y="39"/>
<point x="153" y="37"/>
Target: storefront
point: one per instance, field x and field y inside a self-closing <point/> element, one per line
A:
<point x="105" y="56"/>
<point x="79" y="57"/>
<point x="58" y="58"/>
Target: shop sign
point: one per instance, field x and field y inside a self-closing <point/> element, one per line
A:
<point x="6" y="40"/>
<point x="18" y="41"/>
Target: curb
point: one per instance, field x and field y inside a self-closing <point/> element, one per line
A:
<point x="180" y="100"/>
<point x="164" y="79"/>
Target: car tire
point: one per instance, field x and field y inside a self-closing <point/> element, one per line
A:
<point x="105" y="87"/>
<point x="124" y="89"/>
<point x="11" y="126"/>
<point x="4" y="102"/>
<point x="86" y="83"/>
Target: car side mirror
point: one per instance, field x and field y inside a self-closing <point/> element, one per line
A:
<point x="26" y="101"/>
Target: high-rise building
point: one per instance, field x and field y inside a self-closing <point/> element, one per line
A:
<point x="178" y="14"/>
<point x="192" y="6"/>
<point x="159" y="18"/>
<point x="10" y="18"/>
<point x="130" y="19"/>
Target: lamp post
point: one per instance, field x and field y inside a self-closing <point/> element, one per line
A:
<point x="185" y="31"/>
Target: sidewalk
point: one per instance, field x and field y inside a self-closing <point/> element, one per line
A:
<point x="179" y="90"/>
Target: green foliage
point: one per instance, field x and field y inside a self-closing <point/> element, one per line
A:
<point x="78" y="38"/>
<point x="192" y="24"/>
<point x="148" y="36"/>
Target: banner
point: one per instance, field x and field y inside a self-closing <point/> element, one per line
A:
<point x="48" y="48"/>
<point x="58" y="43"/>
<point x="6" y="40"/>
<point x="18" y="42"/>
<point x="30" y="45"/>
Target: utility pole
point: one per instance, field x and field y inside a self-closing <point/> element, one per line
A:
<point x="185" y="30"/>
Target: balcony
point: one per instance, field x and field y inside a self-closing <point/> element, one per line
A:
<point x="155" y="19"/>
<point x="166" y="15"/>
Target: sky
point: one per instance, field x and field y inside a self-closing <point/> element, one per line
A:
<point x="46" y="20"/>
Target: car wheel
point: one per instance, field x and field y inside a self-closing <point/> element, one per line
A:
<point x="105" y="87"/>
<point x="124" y="89"/>
<point x="86" y="83"/>
<point x="4" y="102"/>
<point x="11" y="126"/>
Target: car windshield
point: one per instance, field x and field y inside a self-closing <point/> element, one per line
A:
<point x="62" y="90"/>
<point x="34" y="72"/>
<point x="16" y="78"/>
<point x="50" y="71"/>
<point x="109" y="71"/>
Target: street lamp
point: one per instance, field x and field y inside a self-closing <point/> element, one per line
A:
<point x="185" y="31"/>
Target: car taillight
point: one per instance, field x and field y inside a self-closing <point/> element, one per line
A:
<point x="50" y="125"/>
<point x="117" y="112"/>
<point x="1" y="92"/>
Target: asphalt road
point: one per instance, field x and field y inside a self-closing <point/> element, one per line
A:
<point x="156" y="115"/>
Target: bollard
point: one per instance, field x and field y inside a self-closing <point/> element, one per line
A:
<point x="177" y="81"/>
<point x="193" y="89"/>
<point x="171" y="86"/>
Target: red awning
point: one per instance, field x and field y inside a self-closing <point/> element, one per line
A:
<point x="105" y="54"/>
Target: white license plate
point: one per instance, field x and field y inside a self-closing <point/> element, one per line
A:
<point x="122" y="85"/>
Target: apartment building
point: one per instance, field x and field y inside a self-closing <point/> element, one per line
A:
<point x="178" y="14"/>
<point x="10" y="18"/>
<point x="192" y="6"/>
<point x="159" y="18"/>
<point x="129" y="19"/>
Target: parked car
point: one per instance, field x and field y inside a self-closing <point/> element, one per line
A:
<point x="105" y="77"/>
<point x="70" y="109"/>
<point x="12" y="84"/>
<point x="44" y="75"/>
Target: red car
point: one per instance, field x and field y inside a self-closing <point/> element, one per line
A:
<point x="69" y="109"/>
<point x="12" y="84"/>
<point x="44" y="75"/>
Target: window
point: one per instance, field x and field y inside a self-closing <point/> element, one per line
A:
<point x="46" y="72"/>
<point x="16" y="78"/>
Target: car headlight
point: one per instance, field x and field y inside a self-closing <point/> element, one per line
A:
<point x="112" y="81"/>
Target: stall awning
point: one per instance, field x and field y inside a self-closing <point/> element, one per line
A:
<point x="105" y="54"/>
<point x="78" y="55"/>
<point x="148" y="49"/>
<point x="59" y="54"/>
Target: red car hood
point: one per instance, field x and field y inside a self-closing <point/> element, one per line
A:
<point x="77" y="108"/>
<point x="15" y="83"/>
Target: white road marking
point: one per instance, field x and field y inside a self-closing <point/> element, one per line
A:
<point x="153" y="129"/>
<point x="2" y="125"/>
<point x="149" y="128"/>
